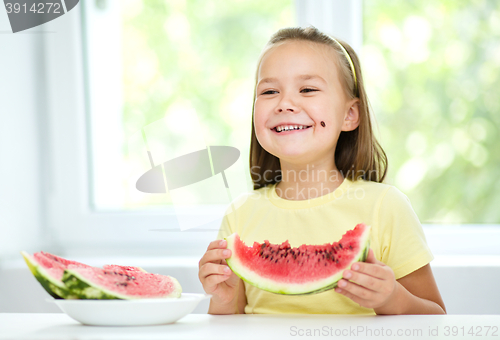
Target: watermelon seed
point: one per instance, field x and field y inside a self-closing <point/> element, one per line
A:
<point x="340" y="245"/>
<point x="350" y="247"/>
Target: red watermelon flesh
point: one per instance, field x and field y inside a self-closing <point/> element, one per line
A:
<point x="111" y="267"/>
<point x="97" y="283"/>
<point x="306" y="269"/>
<point x="55" y="265"/>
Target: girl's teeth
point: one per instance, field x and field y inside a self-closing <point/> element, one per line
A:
<point x="290" y="127"/>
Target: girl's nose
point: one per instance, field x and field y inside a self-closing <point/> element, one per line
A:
<point x="288" y="110"/>
<point x="286" y="105"/>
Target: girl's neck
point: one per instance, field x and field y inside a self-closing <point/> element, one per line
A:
<point x="302" y="182"/>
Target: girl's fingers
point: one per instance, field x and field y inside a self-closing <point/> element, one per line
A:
<point x="374" y="270"/>
<point x="213" y="280"/>
<point x="351" y="296"/>
<point x="233" y="280"/>
<point x="364" y="280"/>
<point x="211" y="269"/>
<point x="217" y="244"/>
<point x="354" y="289"/>
<point x="214" y="255"/>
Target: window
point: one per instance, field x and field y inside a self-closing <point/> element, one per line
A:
<point x="432" y="74"/>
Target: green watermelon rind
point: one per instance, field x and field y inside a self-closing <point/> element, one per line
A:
<point x="297" y="289"/>
<point x="54" y="287"/>
<point x="84" y="289"/>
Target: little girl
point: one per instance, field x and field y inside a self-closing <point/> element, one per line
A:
<point x="318" y="170"/>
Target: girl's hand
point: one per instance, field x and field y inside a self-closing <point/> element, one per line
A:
<point x="371" y="284"/>
<point x="215" y="276"/>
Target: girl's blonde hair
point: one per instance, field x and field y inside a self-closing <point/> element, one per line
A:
<point x="358" y="154"/>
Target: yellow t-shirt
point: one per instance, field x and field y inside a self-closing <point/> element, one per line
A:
<point x="397" y="238"/>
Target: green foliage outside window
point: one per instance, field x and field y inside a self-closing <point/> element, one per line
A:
<point x="433" y="74"/>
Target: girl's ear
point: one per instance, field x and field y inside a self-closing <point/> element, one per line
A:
<point x="351" y="119"/>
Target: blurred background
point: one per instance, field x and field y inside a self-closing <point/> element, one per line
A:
<point x="82" y="96"/>
<point x="432" y="71"/>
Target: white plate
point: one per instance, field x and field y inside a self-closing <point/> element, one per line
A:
<point x="140" y="312"/>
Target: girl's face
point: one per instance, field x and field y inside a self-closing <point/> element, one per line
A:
<point x="298" y="85"/>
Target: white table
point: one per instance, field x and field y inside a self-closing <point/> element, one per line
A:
<point x="262" y="327"/>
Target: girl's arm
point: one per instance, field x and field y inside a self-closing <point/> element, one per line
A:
<point x="422" y="295"/>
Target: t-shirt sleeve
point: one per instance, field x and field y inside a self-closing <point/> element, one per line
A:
<point x="403" y="246"/>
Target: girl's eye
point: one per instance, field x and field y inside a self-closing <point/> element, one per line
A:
<point x="269" y="92"/>
<point x="308" y="90"/>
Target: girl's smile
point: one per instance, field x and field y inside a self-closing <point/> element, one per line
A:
<point x="289" y="128"/>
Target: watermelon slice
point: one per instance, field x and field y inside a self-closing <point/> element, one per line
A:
<point x="307" y="269"/>
<point x="97" y="283"/>
<point x="48" y="269"/>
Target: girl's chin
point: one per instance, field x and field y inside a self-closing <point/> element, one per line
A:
<point x="292" y="156"/>
<point x="290" y="149"/>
